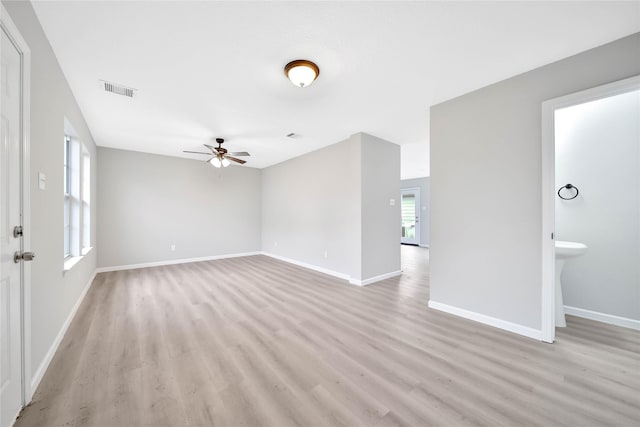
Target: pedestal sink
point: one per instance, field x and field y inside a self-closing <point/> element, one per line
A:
<point x="564" y="251"/>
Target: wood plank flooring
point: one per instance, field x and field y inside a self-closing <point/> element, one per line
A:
<point x="258" y="342"/>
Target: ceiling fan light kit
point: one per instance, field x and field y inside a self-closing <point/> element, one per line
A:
<point x="301" y="72"/>
<point x="215" y="162"/>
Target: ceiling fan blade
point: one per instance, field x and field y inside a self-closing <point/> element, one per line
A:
<point x="196" y="152"/>
<point x="239" y="153"/>
<point x="233" y="159"/>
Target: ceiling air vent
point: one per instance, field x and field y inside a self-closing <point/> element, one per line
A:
<point x="118" y="89"/>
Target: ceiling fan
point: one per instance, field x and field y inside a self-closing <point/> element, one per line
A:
<point x="220" y="155"/>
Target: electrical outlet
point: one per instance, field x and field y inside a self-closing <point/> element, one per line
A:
<point x="173" y="247"/>
<point x="392" y="202"/>
<point x="326" y="254"/>
<point x="275" y="244"/>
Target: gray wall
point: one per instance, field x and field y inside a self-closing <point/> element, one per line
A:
<point x="598" y="149"/>
<point x="53" y="294"/>
<point x="311" y="206"/>
<point x="425" y="196"/>
<point x="149" y="202"/>
<point x="486" y="184"/>
<point x="381" y="222"/>
<point x="330" y="208"/>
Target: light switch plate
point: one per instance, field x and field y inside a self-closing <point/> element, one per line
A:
<point x="42" y="181"/>
<point x="392" y="202"/>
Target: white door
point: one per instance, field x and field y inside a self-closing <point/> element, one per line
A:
<point x="410" y="216"/>
<point x="11" y="291"/>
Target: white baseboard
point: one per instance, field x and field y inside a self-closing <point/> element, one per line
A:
<point x="352" y="281"/>
<point x="603" y="317"/>
<point x="309" y="266"/>
<point x="423" y="246"/>
<point x="37" y="376"/>
<point x="374" y="279"/>
<point x="488" y="320"/>
<point x="174" y="261"/>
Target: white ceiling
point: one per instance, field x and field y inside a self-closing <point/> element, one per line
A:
<point x="207" y="69"/>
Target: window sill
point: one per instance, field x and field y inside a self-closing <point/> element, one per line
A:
<point x="70" y="262"/>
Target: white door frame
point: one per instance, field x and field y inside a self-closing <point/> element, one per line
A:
<point x="549" y="191"/>
<point x="416" y="191"/>
<point x="25" y="199"/>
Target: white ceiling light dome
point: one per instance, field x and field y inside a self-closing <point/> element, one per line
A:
<point x="301" y="72"/>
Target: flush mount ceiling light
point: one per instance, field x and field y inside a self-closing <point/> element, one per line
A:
<point x="301" y="72"/>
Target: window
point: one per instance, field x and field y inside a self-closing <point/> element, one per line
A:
<point x="77" y="201"/>
<point x="86" y="201"/>
<point x="67" y="198"/>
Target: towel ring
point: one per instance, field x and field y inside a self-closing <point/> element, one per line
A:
<point x="568" y="187"/>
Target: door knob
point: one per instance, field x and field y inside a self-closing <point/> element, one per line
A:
<point x="23" y="256"/>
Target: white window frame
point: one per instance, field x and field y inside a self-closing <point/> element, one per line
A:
<point x="85" y="201"/>
<point x="67" y="198"/>
<point x="77" y="192"/>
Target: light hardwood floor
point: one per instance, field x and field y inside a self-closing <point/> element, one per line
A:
<point x="256" y="341"/>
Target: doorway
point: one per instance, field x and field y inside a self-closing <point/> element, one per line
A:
<point x="550" y="192"/>
<point x="410" y="211"/>
<point x="15" y="390"/>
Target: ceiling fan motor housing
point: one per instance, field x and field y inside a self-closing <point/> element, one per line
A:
<point x="219" y="149"/>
